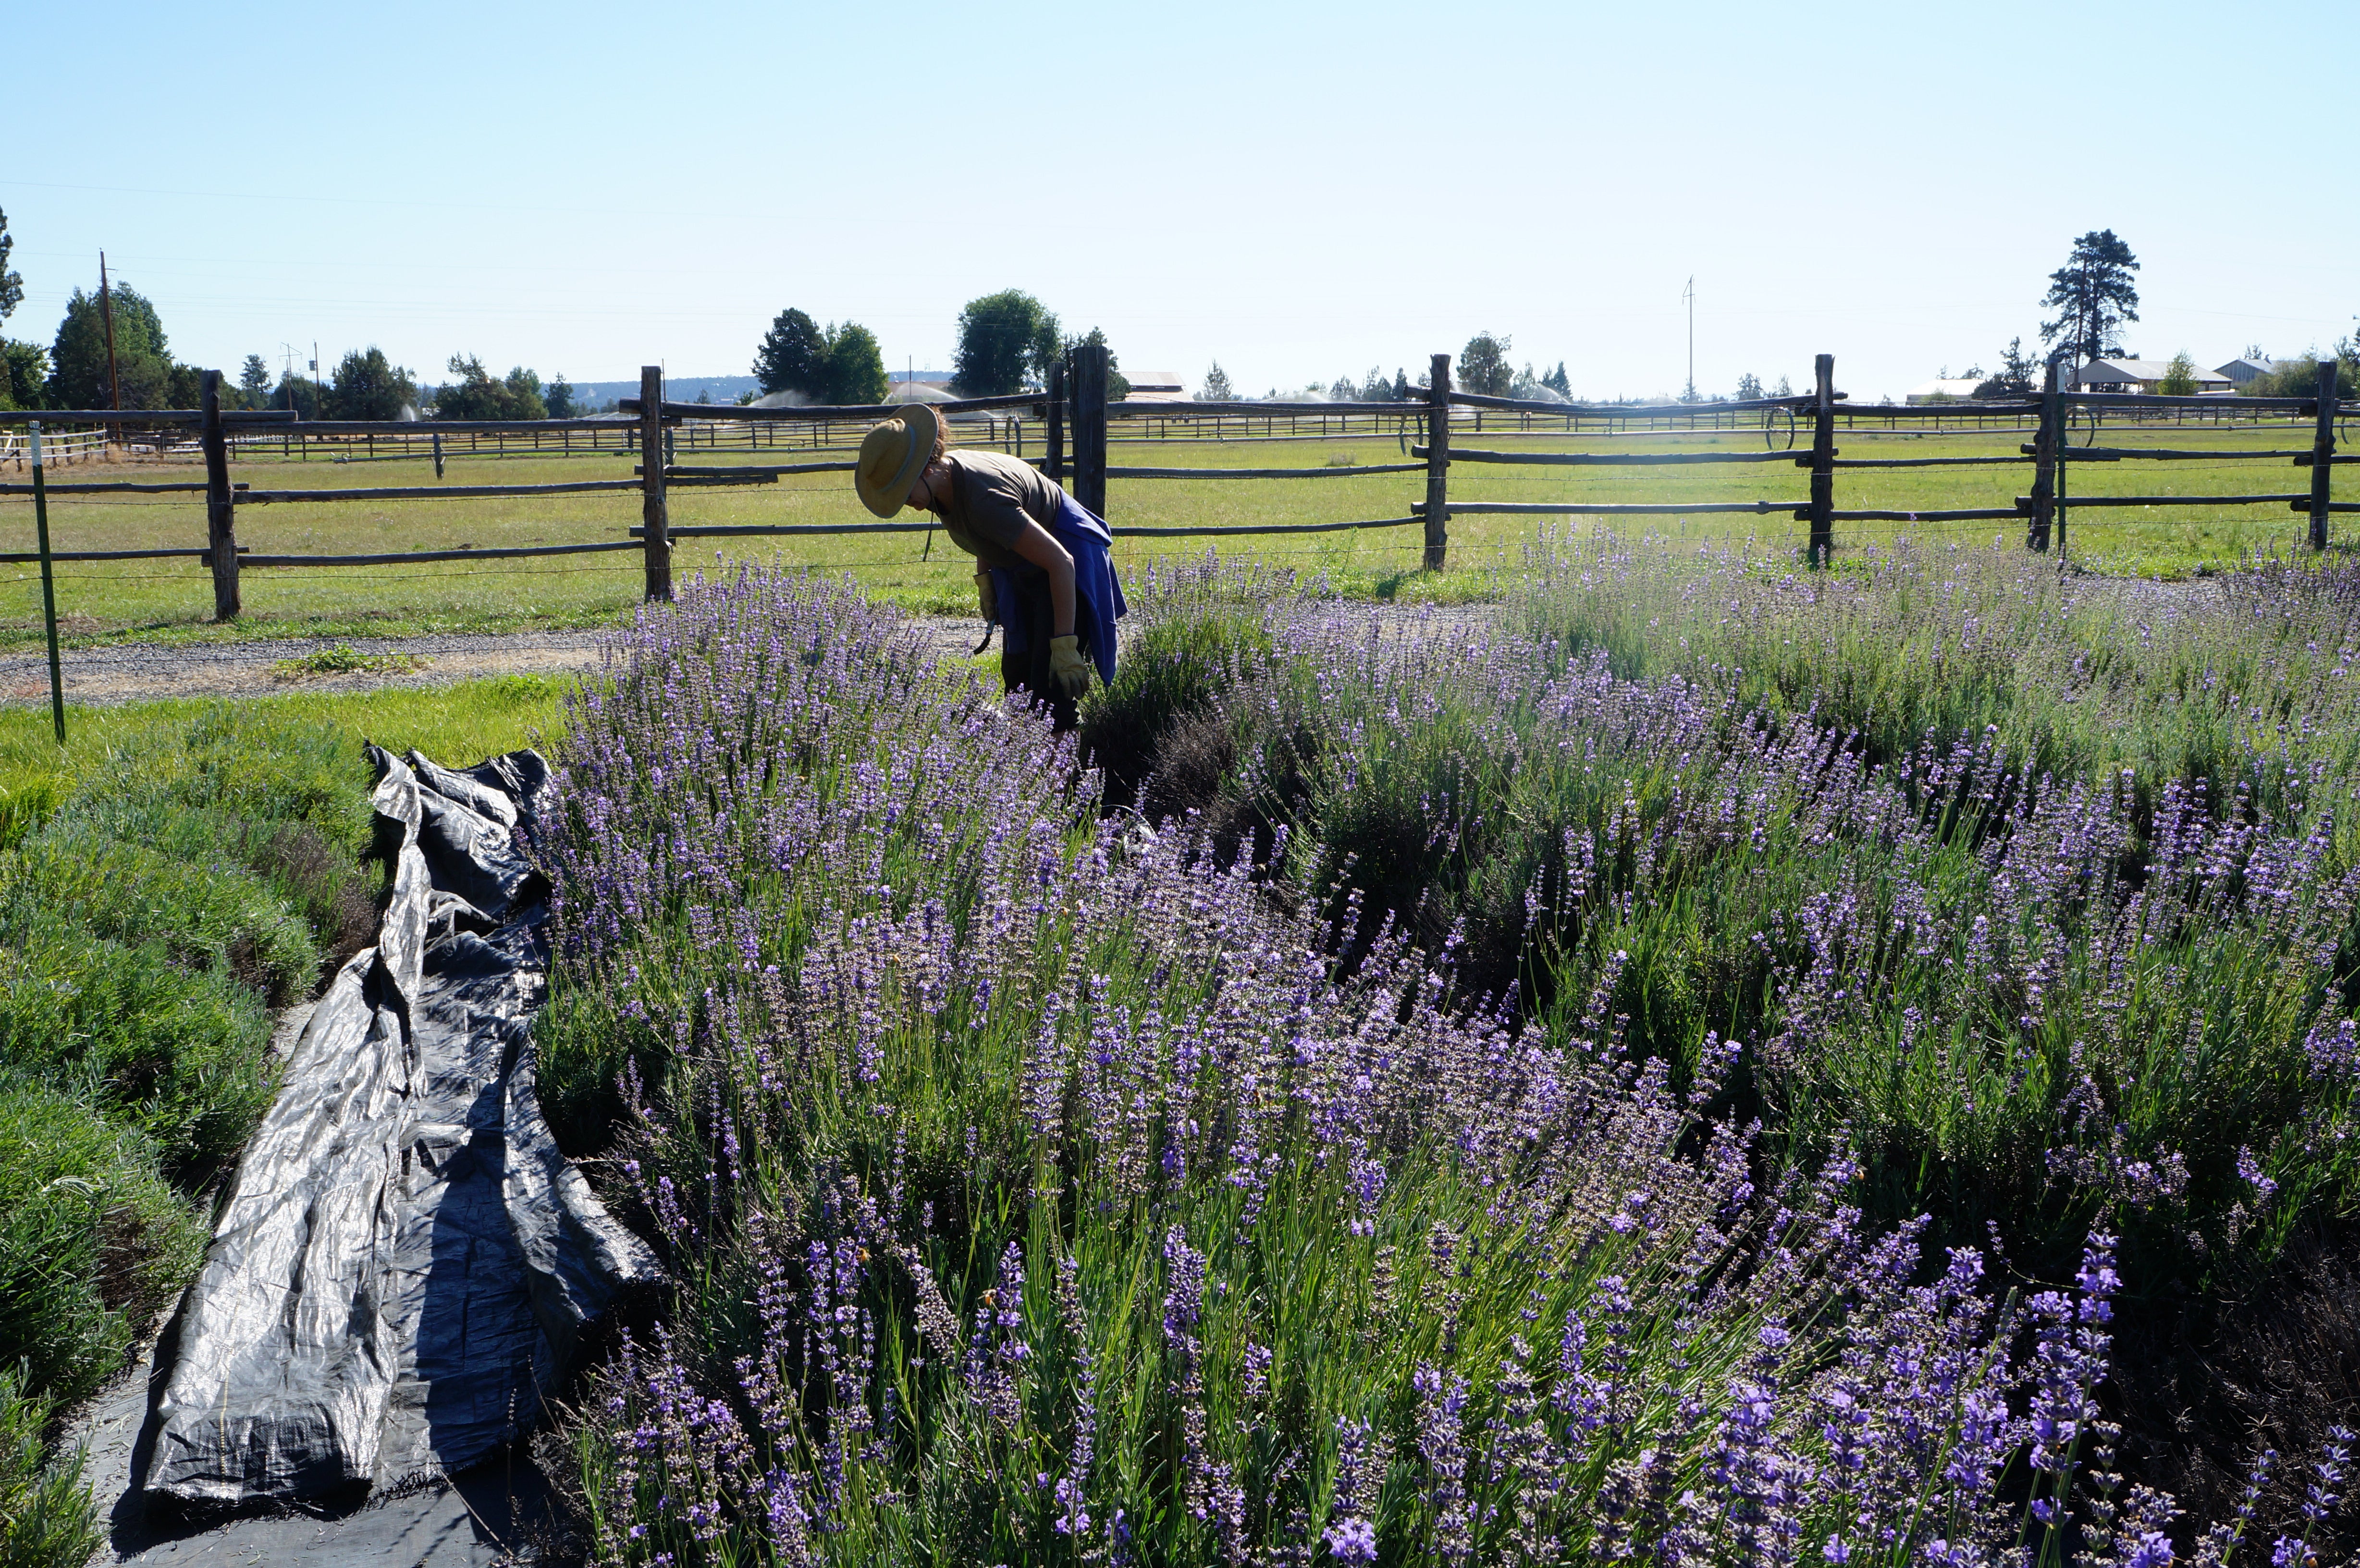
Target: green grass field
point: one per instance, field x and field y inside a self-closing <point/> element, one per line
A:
<point x="174" y="599"/>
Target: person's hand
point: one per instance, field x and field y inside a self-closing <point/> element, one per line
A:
<point x="1068" y="667"/>
<point x="983" y="597"/>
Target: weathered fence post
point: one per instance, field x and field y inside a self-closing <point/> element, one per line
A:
<point x="1437" y="463"/>
<point x="221" y="507"/>
<point x="438" y="455"/>
<point x="655" y="527"/>
<point x="1090" y="426"/>
<point x="2323" y="452"/>
<point x="1823" y="460"/>
<point x="2044" y="463"/>
<point x="1057" y="465"/>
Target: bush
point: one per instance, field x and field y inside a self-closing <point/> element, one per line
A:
<point x="182" y="1056"/>
<point x="1035" y="1187"/>
<point x="47" y="1519"/>
<point x="93" y="1241"/>
<point x="211" y="917"/>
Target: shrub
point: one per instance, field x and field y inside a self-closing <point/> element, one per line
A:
<point x="182" y="1056"/>
<point x="210" y="916"/>
<point x="46" y="1517"/>
<point x="92" y="1242"/>
<point x="1035" y="1189"/>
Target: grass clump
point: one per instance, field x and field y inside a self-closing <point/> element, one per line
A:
<point x="345" y="659"/>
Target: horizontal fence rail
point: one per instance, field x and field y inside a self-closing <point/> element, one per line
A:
<point x="1072" y="426"/>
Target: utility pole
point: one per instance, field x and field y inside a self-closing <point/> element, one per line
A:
<point x="106" y="316"/>
<point x="1688" y="294"/>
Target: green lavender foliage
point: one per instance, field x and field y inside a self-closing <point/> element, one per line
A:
<point x="1035" y="1187"/>
<point x="1901" y="827"/>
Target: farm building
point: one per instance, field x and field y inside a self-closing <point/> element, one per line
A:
<point x="1953" y="389"/>
<point x="2139" y="375"/>
<point x="2243" y="370"/>
<point x="1157" y="387"/>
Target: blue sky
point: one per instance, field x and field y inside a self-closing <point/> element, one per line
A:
<point x="1297" y="191"/>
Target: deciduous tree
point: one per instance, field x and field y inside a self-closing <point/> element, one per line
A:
<point x="479" y="395"/>
<point x="2093" y="295"/>
<point x="23" y="375"/>
<point x="2178" y="376"/>
<point x="1002" y="337"/>
<point x="855" y="366"/>
<point x="254" y="381"/>
<point x="370" y="386"/>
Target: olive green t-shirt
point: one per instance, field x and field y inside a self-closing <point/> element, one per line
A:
<point x="992" y="496"/>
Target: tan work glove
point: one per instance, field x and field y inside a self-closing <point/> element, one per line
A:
<point x="983" y="597"/>
<point x="1068" y="666"/>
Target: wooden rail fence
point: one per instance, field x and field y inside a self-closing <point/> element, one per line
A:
<point x="1078" y="426"/>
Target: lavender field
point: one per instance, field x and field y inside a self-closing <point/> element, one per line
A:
<point x="1701" y="1064"/>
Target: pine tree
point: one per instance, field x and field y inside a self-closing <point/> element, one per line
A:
<point x="254" y="380"/>
<point x="1483" y="365"/>
<point x="793" y="356"/>
<point x="2093" y="295"/>
<point x="1216" y="387"/>
<point x="12" y="285"/>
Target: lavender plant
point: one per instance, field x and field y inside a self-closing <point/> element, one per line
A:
<point x="1039" y="1186"/>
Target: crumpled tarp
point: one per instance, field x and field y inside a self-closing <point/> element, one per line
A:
<point x="405" y="1262"/>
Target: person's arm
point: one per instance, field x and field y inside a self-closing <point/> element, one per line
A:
<point x="1037" y="545"/>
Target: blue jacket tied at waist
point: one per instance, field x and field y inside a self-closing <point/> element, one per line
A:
<point x="1097" y="593"/>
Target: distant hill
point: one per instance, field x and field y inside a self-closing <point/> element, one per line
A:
<point x="679" y="388"/>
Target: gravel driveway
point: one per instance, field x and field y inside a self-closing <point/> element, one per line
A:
<point x="140" y="672"/>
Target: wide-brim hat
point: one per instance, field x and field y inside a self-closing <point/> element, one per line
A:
<point x="892" y="455"/>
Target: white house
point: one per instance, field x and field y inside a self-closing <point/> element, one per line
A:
<point x="2139" y="375"/>
<point x="1156" y="387"/>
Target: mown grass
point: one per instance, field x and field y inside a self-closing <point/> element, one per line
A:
<point x="174" y="599"/>
<point x="168" y="878"/>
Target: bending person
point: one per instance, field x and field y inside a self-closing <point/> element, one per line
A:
<point x="1043" y="576"/>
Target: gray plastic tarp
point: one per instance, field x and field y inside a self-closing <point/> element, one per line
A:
<point x="405" y="1262"/>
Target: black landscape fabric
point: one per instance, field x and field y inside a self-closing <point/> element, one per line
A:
<point x="405" y="1262"/>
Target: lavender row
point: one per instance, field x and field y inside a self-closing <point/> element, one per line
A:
<point x="1039" y="1187"/>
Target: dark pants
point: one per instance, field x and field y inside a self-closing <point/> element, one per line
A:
<point x="1030" y="669"/>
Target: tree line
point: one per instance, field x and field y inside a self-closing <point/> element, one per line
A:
<point x="1007" y="343"/>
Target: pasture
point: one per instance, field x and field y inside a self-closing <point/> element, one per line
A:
<point x="171" y="598"/>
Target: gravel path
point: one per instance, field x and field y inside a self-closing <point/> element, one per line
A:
<point x="138" y="672"/>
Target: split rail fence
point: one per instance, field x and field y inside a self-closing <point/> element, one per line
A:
<point x="1076" y="420"/>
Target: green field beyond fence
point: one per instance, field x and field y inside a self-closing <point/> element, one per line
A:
<point x="435" y="525"/>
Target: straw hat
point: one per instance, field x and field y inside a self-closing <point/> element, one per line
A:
<point x="892" y="455"/>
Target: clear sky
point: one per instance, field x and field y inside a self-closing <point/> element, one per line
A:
<point x="1297" y="191"/>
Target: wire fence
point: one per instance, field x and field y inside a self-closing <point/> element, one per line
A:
<point x="1552" y="456"/>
